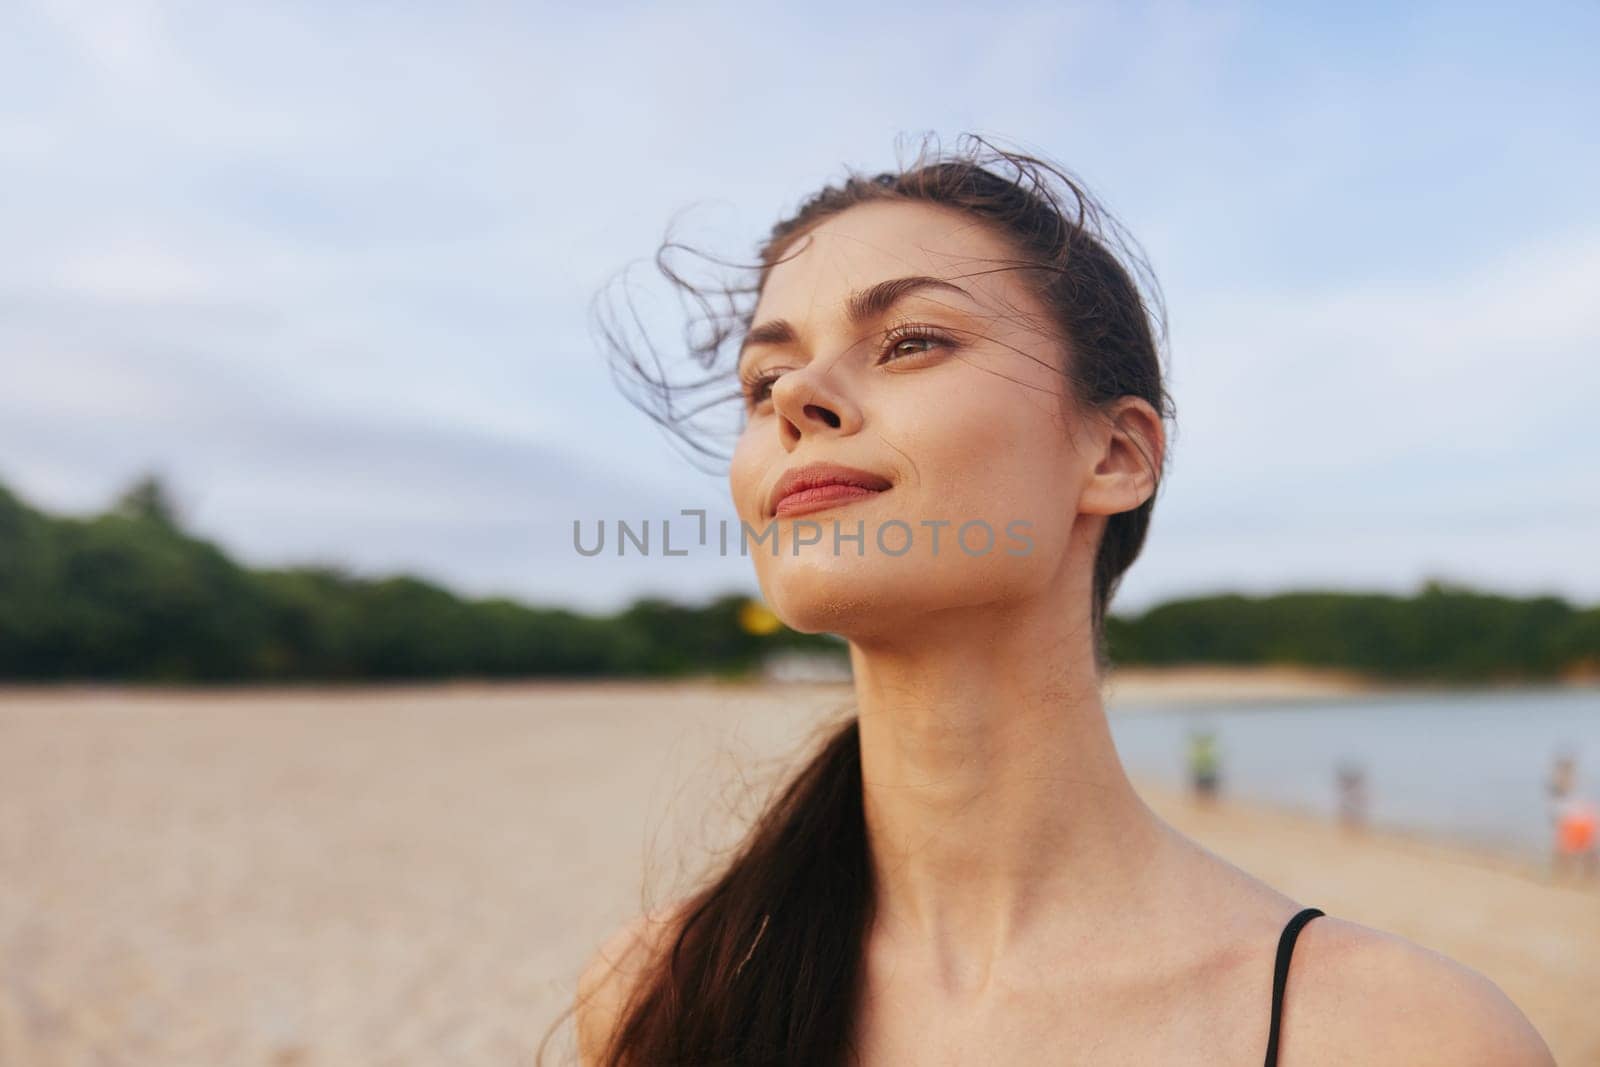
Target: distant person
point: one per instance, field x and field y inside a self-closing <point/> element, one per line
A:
<point x="1562" y="781"/>
<point x="1577" y="830"/>
<point x="1577" y="852"/>
<point x="1352" y="784"/>
<point x="1204" y="773"/>
<point x="1572" y="819"/>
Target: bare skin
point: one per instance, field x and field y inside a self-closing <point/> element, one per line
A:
<point x="1032" y="909"/>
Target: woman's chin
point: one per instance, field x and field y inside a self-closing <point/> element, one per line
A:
<point x="839" y="595"/>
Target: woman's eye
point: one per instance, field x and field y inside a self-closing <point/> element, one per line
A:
<point x="927" y="339"/>
<point x="759" y="389"/>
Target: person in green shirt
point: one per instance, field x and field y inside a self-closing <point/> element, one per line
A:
<point x="1204" y="773"/>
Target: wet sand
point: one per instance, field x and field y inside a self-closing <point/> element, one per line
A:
<point x="413" y="875"/>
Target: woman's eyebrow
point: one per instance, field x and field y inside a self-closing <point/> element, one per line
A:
<point x="862" y="307"/>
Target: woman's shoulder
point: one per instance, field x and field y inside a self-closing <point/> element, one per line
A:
<point x="1356" y="994"/>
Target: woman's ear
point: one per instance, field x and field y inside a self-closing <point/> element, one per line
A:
<point x="1129" y="443"/>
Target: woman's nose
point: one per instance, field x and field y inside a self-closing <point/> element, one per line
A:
<point x="808" y="402"/>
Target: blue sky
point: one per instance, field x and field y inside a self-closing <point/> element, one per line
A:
<point x="328" y="267"/>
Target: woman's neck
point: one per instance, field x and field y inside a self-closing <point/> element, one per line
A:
<point x="993" y="791"/>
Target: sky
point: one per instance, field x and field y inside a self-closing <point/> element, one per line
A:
<point x="330" y="269"/>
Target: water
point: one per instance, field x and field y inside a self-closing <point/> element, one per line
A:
<point x="1467" y="765"/>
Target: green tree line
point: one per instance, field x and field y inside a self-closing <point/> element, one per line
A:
<point x="129" y="595"/>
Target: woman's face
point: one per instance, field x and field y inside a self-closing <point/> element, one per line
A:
<point x="962" y="418"/>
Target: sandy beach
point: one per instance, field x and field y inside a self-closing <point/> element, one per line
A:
<point x="396" y="875"/>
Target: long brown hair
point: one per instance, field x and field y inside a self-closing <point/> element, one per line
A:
<point x="765" y="961"/>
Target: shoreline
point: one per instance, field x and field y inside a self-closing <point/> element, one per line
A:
<point x="1526" y="865"/>
<point x="1205" y="683"/>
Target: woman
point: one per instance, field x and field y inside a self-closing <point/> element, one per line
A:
<point x="963" y="874"/>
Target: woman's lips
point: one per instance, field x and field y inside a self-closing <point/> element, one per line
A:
<point x="821" y="497"/>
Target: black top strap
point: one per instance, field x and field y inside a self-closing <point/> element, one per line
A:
<point x="1280" y="975"/>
